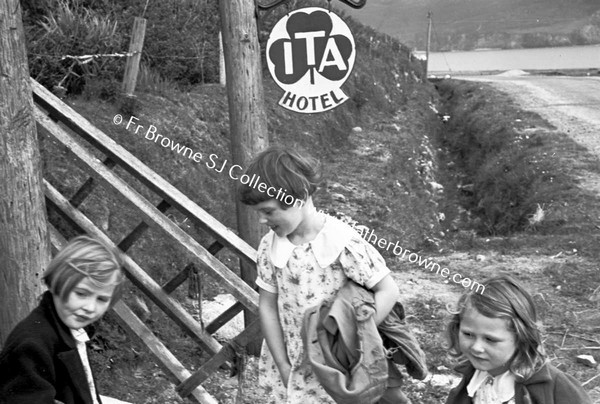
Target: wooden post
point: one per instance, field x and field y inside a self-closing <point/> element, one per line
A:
<point x="24" y="243"/>
<point x="222" y="75"/>
<point x="132" y="67"/>
<point x="247" y="117"/>
<point x="427" y="45"/>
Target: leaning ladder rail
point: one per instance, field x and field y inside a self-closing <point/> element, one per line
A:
<point x="59" y="121"/>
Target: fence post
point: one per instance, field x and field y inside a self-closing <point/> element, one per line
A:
<point x="222" y="75"/>
<point x="133" y="60"/>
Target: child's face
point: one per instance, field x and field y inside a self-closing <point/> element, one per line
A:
<point x="85" y="304"/>
<point x="282" y="221"/>
<point x="485" y="341"/>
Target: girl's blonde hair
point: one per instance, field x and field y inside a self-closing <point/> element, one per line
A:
<point x="281" y="168"/>
<point x="505" y="298"/>
<point x="85" y="257"/>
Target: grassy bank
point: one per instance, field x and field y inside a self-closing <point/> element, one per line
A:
<point x="514" y="172"/>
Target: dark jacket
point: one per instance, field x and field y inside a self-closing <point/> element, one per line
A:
<point x="40" y="363"/>
<point x="346" y="351"/>
<point x="547" y="386"/>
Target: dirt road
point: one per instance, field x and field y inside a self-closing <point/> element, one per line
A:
<point x="570" y="103"/>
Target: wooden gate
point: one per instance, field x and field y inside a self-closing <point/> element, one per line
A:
<point x="68" y="128"/>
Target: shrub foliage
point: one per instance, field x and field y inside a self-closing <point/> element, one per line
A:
<point x="69" y="29"/>
<point x="181" y="42"/>
<point x="512" y="171"/>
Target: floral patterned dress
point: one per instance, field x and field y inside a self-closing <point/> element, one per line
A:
<point x="304" y="276"/>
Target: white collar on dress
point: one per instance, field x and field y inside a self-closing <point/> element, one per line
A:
<point x="326" y="246"/>
<point x="504" y="384"/>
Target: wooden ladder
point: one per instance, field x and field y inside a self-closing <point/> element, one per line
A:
<point x="68" y="128"/>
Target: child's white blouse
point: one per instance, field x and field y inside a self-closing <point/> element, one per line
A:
<point x="81" y="338"/>
<point x="487" y="389"/>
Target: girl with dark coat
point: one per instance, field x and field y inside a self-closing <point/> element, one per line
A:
<point x="497" y="335"/>
<point x="44" y="359"/>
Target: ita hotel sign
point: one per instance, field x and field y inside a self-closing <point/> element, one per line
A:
<point x="310" y="54"/>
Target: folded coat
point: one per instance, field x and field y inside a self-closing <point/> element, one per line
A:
<point x="346" y="351"/>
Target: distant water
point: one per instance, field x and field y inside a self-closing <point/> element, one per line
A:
<point x="572" y="57"/>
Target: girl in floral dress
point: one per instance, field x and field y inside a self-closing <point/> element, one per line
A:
<point x="304" y="260"/>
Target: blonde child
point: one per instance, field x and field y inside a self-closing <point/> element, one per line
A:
<point x="304" y="260"/>
<point x="497" y="335"/>
<point x="44" y="359"/>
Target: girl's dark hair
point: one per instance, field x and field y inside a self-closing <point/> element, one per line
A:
<point x="505" y="298"/>
<point x="281" y="169"/>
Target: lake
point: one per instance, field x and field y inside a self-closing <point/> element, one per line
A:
<point x="572" y="57"/>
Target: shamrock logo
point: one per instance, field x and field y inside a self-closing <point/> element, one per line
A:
<point x="310" y="47"/>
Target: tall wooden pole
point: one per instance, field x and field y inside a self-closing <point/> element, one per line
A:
<point x="247" y="117"/>
<point x="428" y="44"/>
<point x="24" y="244"/>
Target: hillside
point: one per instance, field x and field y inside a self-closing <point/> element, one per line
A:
<point x="391" y="162"/>
<point x="407" y="20"/>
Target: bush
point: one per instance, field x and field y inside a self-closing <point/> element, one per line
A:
<point x="69" y="30"/>
<point x="512" y="173"/>
<point x="181" y="41"/>
<point x="182" y="38"/>
<point x="509" y="187"/>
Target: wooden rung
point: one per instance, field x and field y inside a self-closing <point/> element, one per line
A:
<point x="181" y="277"/>
<point x="215" y="247"/>
<point x="139" y="230"/>
<point x="140" y="171"/>
<point x="50" y="206"/>
<point x="224" y="318"/>
<point x="166" y="359"/>
<point x="139" y="277"/>
<point x="88" y="186"/>
<point x="249" y="334"/>
<point x="232" y="283"/>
